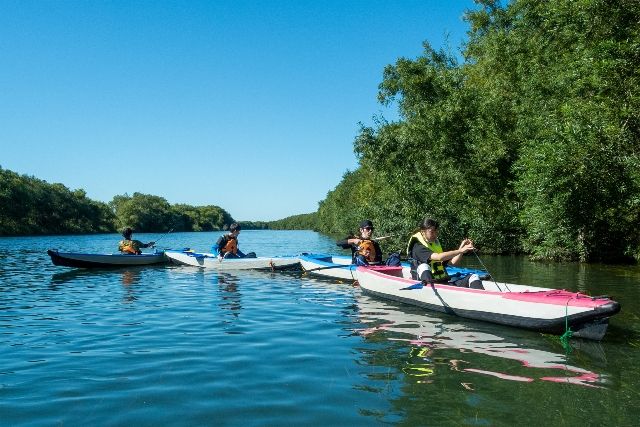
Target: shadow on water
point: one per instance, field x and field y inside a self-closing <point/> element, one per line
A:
<point x="128" y="275"/>
<point x="129" y="278"/>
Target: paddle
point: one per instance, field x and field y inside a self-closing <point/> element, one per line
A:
<point x="159" y="238"/>
<point x="387" y="236"/>
<point x="326" y="267"/>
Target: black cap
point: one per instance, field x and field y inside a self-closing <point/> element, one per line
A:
<point x="366" y="223"/>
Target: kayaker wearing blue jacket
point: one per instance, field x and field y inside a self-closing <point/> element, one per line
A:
<point x="129" y="246"/>
<point x="364" y="250"/>
<point x="429" y="260"/>
<point x="227" y="244"/>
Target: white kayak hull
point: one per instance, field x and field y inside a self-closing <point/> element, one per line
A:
<point x="541" y="309"/>
<point x="207" y="260"/>
<point x="88" y="260"/>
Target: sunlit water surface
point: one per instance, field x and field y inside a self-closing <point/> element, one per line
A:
<point x="172" y="345"/>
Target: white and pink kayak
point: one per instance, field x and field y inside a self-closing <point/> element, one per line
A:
<point x="541" y="309"/>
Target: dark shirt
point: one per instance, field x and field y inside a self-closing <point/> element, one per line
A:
<point x="222" y="242"/>
<point x="422" y="254"/>
<point x="354" y="248"/>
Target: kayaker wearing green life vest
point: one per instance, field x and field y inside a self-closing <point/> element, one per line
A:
<point x="429" y="260"/>
<point x="129" y="246"/>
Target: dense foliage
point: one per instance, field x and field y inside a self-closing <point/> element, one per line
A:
<point x="144" y="212"/>
<point x="296" y="222"/>
<point x="254" y="225"/>
<point x="530" y="145"/>
<point x="32" y="206"/>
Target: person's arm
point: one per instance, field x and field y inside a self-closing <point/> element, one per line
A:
<point x="456" y="255"/>
<point x="348" y="243"/>
<point x="220" y="244"/>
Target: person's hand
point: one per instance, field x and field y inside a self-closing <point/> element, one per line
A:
<point x="467" y="246"/>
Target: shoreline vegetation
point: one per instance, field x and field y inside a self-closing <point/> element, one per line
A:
<point x="529" y="146"/>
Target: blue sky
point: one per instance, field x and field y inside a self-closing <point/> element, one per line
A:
<point x="249" y="105"/>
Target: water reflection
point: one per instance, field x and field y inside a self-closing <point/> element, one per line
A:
<point x="436" y="347"/>
<point x="230" y="297"/>
<point x="128" y="277"/>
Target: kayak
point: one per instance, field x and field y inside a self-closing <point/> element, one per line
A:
<point x="208" y="260"/>
<point x="540" y="309"/>
<point x="340" y="267"/>
<point x="88" y="260"/>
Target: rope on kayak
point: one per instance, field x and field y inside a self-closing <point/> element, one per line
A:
<point x="568" y="333"/>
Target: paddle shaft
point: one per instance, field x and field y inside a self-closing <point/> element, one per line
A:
<point x="156" y="242"/>
<point x="326" y="267"/>
<point x="387" y="236"/>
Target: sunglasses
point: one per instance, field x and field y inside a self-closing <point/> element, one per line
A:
<point x="368" y="228"/>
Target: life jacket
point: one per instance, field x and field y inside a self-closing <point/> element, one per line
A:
<point x="129" y="247"/>
<point x="438" y="271"/>
<point x="230" y="246"/>
<point x="367" y="249"/>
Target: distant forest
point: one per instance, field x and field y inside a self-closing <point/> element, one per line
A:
<point x="530" y="145"/>
<point x="30" y="206"/>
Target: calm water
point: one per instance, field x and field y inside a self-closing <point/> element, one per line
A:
<point x="182" y="346"/>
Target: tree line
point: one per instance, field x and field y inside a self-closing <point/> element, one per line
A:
<point x="31" y="206"/>
<point x="529" y="145"/>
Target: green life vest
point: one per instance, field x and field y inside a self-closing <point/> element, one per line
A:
<point x="438" y="271"/>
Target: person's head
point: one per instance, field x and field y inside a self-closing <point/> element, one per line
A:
<point x="429" y="229"/>
<point x="127" y="232"/>
<point x="366" y="228"/>
<point x="235" y="229"/>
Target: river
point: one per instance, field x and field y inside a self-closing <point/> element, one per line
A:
<point x="176" y="345"/>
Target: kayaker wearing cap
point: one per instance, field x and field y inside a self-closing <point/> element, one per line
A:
<point x="364" y="250"/>
<point x="429" y="260"/>
<point x="129" y="246"/>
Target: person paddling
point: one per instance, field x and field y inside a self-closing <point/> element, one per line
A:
<point x="227" y="244"/>
<point x="364" y="250"/>
<point x="130" y="246"/>
<point x="429" y="260"/>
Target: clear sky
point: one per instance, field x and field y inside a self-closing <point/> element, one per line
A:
<point x="249" y="105"/>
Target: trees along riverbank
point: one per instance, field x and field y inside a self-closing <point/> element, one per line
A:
<point x="530" y="145"/>
<point x="31" y="206"/>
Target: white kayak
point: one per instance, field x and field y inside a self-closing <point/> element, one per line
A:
<point x="540" y="309"/>
<point x="208" y="260"/>
<point x="89" y="260"/>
